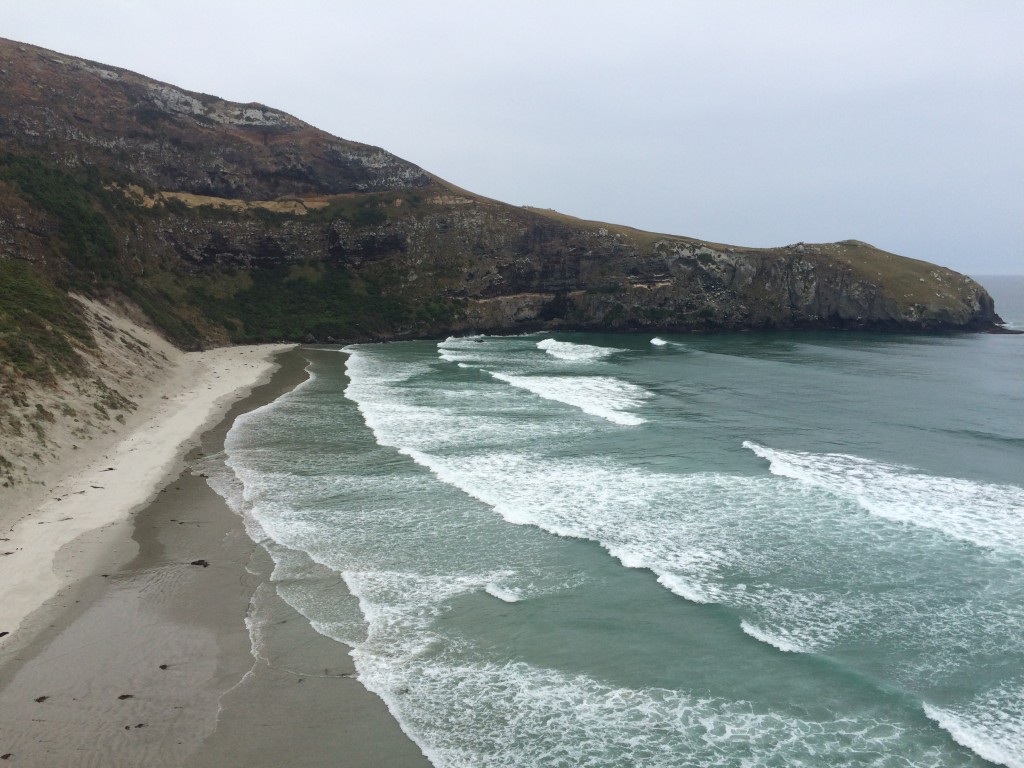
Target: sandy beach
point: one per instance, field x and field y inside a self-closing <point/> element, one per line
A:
<point x="120" y="479"/>
<point x="126" y="598"/>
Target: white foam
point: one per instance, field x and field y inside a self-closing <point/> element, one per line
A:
<point x="453" y="357"/>
<point x="992" y="726"/>
<point x="371" y="366"/>
<point x="658" y="342"/>
<point x="471" y="712"/>
<point x="481" y="350"/>
<point x="693" y="591"/>
<point x="515" y="714"/>
<point x="750" y="543"/>
<point x="660" y="521"/>
<point x="637" y="521"/>
<point x="603" y="396"/>
<point x="507" y="595"/>
<point x="567" y="350"/>
<point x="225" y="482"/>
<point x="990" y="516"/>
<point x="464" y="712"/>
<point x="426" y="418"/>
<point x="764" y="534"/>
<point x="779" y="639"/>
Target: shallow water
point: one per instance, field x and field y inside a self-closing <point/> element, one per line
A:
<point x="576" y="549"/>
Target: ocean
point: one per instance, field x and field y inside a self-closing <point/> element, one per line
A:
<point x="566" y="549"/>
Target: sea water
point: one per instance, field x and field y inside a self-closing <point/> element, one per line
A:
<point x="592" y="550"/>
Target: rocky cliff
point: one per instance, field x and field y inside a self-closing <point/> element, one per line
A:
<point x="217" y="222"/>
<point x="237" y="222"/>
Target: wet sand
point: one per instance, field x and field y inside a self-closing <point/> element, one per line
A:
<point x="146" y="658"/>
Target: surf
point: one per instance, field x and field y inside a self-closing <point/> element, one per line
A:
<point x="574" y="352"/>
<point x="986" y="515"/>
<point x="603" y="396"/>
<point x="434" y="517"/>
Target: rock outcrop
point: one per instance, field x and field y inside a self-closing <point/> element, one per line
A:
<point x="215" y="222"/>
<point x="237" y="222"/>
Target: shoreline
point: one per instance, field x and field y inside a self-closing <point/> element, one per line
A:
<point x="143" y="654"/>
<point x="121" y="477"/>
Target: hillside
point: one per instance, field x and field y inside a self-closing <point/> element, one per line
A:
<point x="218" y="222"/>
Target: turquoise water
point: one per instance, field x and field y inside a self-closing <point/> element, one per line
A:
<point x="745" y="550"/>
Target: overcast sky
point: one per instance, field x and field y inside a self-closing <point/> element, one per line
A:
<point x="753" y="123"/>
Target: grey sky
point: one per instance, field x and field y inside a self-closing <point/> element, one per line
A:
<point x="754" y="123"/>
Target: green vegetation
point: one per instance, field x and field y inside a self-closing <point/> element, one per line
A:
<point x="39" y="324"/>
<point x="85" y="234"/>
<point x="43" y="414"/>
<point x="639" y="238"/>
<point x="379" y="265"/>
<point x="90" y="216"/>
<point x="314" y="300"/>
<point x="908" y="279"/>
<point x="369" y="216"/>
<point x="112" y="399"/>
<point x="38" y="327"/>
<point x="319" y="301"/>
<point x="160" y="306"/>
<point x="368" y="209"/>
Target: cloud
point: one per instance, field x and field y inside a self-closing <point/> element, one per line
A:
<point x="901" y="124"/>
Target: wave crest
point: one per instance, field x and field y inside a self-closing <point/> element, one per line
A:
<point x="567" y="350"/>
<point x="989" y="516"/>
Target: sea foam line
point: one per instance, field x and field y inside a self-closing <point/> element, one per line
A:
<point x="603" y="396"/>
<point x="620" y="510"/>
<point x="992" y="733"/>
<point x="568" y="351"/>
<point x="404" y="673"/>
<point x="777" y="640"/>
<point x="514" y="714"/>
<point x="989" y="516"/>
<point x="474" y="712"/>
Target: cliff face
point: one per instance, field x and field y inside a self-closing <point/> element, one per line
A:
<point x="219" y="222"/>
<point x="226" y="221"/>
<point x="498" y="268"/>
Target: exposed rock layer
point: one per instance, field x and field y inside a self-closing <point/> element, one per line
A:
<point x="212" y="207"/>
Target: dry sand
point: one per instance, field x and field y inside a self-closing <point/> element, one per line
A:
<point x="195" y="394"/>
<point x="122" y="652"/>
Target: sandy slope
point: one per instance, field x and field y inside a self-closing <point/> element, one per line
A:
<point x="102" y="480"/>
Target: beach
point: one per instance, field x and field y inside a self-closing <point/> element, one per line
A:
<point x="524" y="576"/>
<point x="126" y="597"/>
